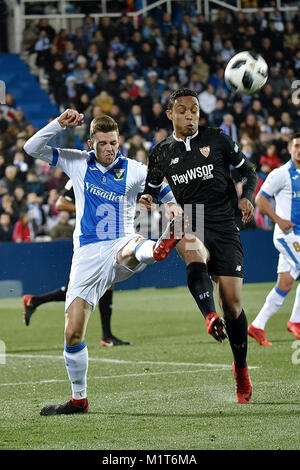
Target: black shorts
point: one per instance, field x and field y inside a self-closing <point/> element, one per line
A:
<point x="226" y="253"/>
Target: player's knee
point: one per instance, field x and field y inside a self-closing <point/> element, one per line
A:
<point x="192" y="250"/>
<point x="73" y="335"/>
<point x="232" y="309"/>
<point x="285" y="283"/>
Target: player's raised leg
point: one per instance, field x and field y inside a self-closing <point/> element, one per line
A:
<point x="76" y="359"/>
<point x="31" y="302"/>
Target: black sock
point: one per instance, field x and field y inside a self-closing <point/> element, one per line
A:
<point x="201" y="287"/>
<point x="105" y="307"/>
<point x="58" y="295"/>
<point x="237" y="331"/>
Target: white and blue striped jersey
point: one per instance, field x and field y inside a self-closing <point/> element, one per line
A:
<point x="105" y="197"/>
<point x="283" y="184"/>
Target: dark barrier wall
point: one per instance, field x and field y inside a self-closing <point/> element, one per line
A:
<point x="43" y="267"/>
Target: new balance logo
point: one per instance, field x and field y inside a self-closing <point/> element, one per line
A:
<point x="238" y="268"/>
<point x="174" y="161"/>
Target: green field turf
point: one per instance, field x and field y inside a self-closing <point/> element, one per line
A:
<point x="173" y="388"/>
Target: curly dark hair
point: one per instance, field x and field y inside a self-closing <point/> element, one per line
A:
<point x="178" y="93"/>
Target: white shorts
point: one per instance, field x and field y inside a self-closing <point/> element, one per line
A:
<point x="289" y="257"/>
<point x="94" y="269"/>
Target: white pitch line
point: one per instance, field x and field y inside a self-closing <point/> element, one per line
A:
<point x="122" y="361"/>
<point x="144" y="374"/>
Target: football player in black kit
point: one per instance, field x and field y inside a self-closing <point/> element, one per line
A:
<point x="66" y="202"/>
<point x="196" y="162"/>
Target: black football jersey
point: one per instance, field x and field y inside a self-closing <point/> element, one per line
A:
<point x="68" y="192"/>
<point x="199" y="172"/>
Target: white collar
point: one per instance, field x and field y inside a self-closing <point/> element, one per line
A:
<point x="187" y="141"/>
<point x="104" y="169"/>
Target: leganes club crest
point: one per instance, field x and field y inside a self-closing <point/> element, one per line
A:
<point x="119" y="173"/>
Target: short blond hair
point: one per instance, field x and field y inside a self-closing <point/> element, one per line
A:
<point x="103" y="124"/>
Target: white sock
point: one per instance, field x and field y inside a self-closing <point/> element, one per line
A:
<point x="295" y="317"/>
<point x="272" y="304"/>
<point x="76" y="360"/>
<point x="144" y="252"/>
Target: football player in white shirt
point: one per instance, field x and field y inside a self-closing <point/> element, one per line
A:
<point x="106" y="247"/>
<point x="283" y="184"/>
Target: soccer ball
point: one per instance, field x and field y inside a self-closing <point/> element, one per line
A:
<point x="246" y="73"/>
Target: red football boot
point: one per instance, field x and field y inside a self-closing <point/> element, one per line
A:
<point x="169" y="239"/>
<point x="294" y="328"/>
<point x="243" y="384"/>
<point x="259" y="335"/>
<point x="216" y="326"/>
<point x="71" y="407"/>
<point x="28" y="308"/>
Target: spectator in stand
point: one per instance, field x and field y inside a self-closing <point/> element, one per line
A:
<point x="19" y="162"/>
<point x="158" y="118"/>
<point x="201" y="69"/>
<point x="153" y="86"/>
<point x="228" y="127"/>
<point x="22" y="231"/>
<point x="2" y="169"/>
<point x="20" y="120"/>
<point x="207" y="100"/>
<point x="57" y="82"/>
<point x="6" y="228"/>
<point x="36" y="214"/>
<point x="215" y="118"/>
<point x="60" y="41"/>
<point x="11" y="178"/>
<point x="63" y="230"/>
<point x="81" y="70"/>
<point x="70" y="55"/>
<point x="44" y="25"/>
<point x="78" y="39"/>
<point x="20" y="203"/>
<point x="251" y="128"/>
<point x="137" y="122"/>
<point x="57" y="180"/>
<point x="3" y="123"/>
<point x="33" y="184"/>
<point x="42" y="48"/>
<point x="7" y="207"/>
<point x="238" y="112"/>
<point x="136" y="143"/>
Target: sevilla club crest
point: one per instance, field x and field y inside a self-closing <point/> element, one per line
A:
<point x="205" y="151"/>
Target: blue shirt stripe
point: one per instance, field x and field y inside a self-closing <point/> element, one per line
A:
<point x="55" y="156"/>
<point x="264" y="194"/>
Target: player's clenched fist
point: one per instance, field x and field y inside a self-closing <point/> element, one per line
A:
<point x="70" y="117"/>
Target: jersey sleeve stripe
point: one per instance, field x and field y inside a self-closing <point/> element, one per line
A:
<point x="265" y="194"/>
<point x="240" y="164"/>
<point x="55" y="156"/>
<point x="164" y="192"/>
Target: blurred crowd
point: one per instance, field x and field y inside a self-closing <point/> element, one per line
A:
<point x="112" y="67"/>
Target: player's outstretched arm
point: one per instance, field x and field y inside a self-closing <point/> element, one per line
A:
<point x="37" y="146"/>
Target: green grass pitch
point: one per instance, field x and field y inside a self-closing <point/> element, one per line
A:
<point x="172" y="388"/>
